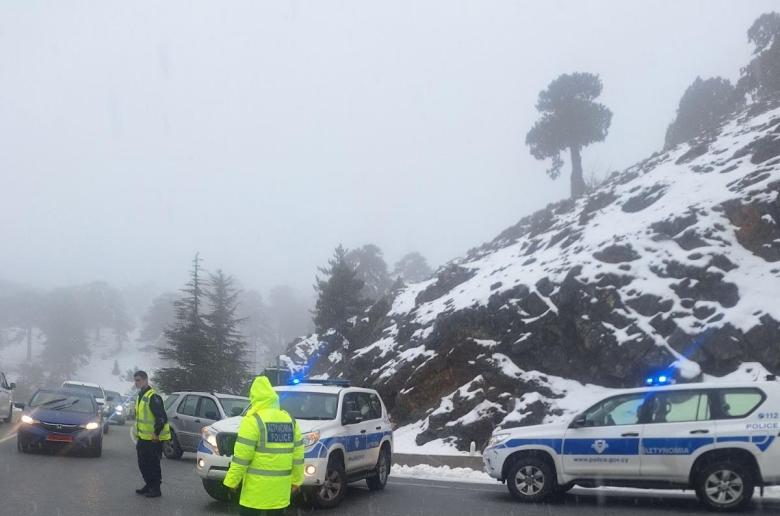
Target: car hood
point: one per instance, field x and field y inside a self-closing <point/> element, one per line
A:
<point x="62" y="417"/>
<point x="231" y="424"/>
<point x="548" y="431"/>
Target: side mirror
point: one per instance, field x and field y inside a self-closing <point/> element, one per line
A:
<point x="12" y="386"/>
<point x="19" y="405"/>
<point x="578" y="422"/>
<point x="352" y="417"/>
<point x="236" y="411"/>
<point x="110" y="398"/>
<point x="212" y="415"/>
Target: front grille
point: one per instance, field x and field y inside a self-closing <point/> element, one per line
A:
<point x="59" y="428"/>
<point x="225" y="443"/>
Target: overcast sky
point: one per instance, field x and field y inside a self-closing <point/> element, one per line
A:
<point x="262" y="134"/>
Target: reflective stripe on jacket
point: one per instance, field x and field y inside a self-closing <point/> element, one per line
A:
<point x="144" y="420"/>
<point x="268" y="455"/>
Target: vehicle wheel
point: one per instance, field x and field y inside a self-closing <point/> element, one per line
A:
<point x="96" y="451"/>
<point x="378" y="481"/>
<point x="22" y="448"/>
<point x="329" y="495"/>
<point x="217" y="490"/>
<point x="531" y="479"/>
<point x="725" y="486"/>
<point x="105" y="427"/>
<point x="10" y="414"/>
<point x="171" y="448"/>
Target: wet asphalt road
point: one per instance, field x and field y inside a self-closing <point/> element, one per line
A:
<point x="51" y="485"/>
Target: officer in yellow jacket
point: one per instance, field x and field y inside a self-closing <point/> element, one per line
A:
<point x="151" y="429"/>
<point x="268" y="455"/>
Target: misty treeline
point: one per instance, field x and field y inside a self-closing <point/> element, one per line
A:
<point x="571" y="119"/>
<point x="355" y="279"/>
<point x="208" y="344"/>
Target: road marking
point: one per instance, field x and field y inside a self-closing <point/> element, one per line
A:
<point x="7" y="438"/>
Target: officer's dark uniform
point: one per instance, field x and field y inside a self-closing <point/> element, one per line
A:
<point x="150" y="452"/>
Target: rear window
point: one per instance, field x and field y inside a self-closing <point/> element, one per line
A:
<point x="738" y="403"/>
<point x="97" y="392"/>
<point x="233" y="406"/>
<point x="170" y="400"/>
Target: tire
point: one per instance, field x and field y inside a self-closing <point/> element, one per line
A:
<point x="531" y="479"/>
<point x="725" y="486"/>
<point x="171" y="448"/>
<point x="22" y="448"/>
<point x="331" y="493"/>
<point x="105" y="427"/>
<point x="378" y="481"/>
<point x="96" y="451"/>
<point x="217" y="490"/>
<point x="10" y="414"/>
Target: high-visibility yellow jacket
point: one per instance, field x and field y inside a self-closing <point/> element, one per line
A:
<point x="144" y="419"/>
<point x="268" y="455"/>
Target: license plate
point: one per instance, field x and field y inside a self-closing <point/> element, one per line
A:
<point x="59" y="438"/>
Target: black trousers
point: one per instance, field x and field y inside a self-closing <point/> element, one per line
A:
<point x="248" y="511"/>
<point x="149" y="455"/>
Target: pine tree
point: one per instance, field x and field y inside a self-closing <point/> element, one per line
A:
<point x="370" y="267"/>
<point x="703" y="105"/>
<point x="761" y="77"/>
<point x="338" y="295"/>
<point x="413" y="267"/>
<point x="188" y="345"/>
<point x="571" y="119"/>
<point x="115" y="371"/>
<point x="229" y="360"/>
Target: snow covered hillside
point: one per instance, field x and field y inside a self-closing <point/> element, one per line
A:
<point x="674" y="261"/>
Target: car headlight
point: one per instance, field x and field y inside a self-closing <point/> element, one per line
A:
<point x="28" y="420"/>
<point x="209" y="437"/>
<point x="310" y="438"/>
<point x="92" y="425"/>
<point x="497" y="439"/>
<point x="119" y="409"/>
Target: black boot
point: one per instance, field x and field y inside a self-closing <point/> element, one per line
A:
<point x="143" y="490"/>
<point x="154" y="492"/>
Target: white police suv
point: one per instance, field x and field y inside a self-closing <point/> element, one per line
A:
<point x="346" y="432"/>
<point x="717" y="438"/>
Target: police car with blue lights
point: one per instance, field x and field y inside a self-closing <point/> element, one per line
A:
<point x="719" y="439"/>
<point x="347" y="436"/>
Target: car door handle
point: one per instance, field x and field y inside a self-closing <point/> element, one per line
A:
<point x="630" y="434"/>
<point x="176" y="417"/>
<point x="700" y="431"/>
<point x="362" y="431"/>
<point x="379" y="428"/>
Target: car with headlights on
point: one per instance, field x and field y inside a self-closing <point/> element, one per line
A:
<point x="61" y="420"/>
<point x="346" y="432"/>
<point x="115" y="408"/>
<point x="97" y="392"/>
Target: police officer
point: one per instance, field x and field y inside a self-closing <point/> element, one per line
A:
<point x="151" y="429"/>
<point x="268" y="455"/>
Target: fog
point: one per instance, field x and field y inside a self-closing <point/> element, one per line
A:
<point x="263" y="134"/>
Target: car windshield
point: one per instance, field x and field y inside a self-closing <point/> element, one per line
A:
<point x="233" y="406"/>
<point x="309" y="405"/>
<point x="62" y="401"/>
<point x="116" y="397"/>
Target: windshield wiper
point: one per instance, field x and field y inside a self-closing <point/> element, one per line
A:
<point x="50" y="402"/>
<point x="66" y="405"/>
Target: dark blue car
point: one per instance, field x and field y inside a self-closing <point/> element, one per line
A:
<point x="63" y="420"/>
